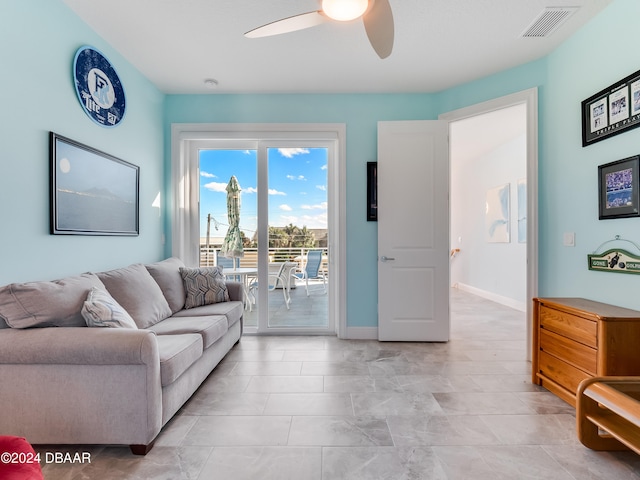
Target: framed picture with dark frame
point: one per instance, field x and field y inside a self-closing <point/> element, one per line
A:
<point x="611" y="111"/>
<point x="92" y="192"/>
<point x="618" y="188"/>
<point x="372" y="191"/>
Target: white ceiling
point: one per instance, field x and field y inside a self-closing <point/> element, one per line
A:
<point x="178" y="44"/>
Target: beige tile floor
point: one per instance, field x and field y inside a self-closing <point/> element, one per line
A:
<point x="319" y="408"/>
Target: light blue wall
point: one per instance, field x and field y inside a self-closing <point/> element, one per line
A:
<point x="568" y="187"/>
<point x="517" y="79"/>
<point x="597" y="56"/>
<point x="360" y="113"/>
<point x="600" y="54"/>
<point x="38" y="41"/>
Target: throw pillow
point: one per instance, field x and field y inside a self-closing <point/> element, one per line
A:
<point x="204" y="286"/>
<point x="101" y="310"/>
<point x="47" y="304"/>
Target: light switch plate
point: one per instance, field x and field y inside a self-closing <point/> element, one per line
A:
<point x="569" y="239"/>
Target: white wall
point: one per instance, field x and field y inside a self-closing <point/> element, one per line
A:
<point x="493" y="270"/>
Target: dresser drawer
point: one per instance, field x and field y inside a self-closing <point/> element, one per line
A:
<point x="561" y="372"/>
<point x="571" y="326"/>
<point x="573" y="353"/>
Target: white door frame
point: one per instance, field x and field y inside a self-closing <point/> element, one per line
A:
<point x="530" y="98"/>
<point x="185" y="138"/>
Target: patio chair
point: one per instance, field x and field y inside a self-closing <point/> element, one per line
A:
<point x="276" y="279"/>
<point x="312" y="270"/>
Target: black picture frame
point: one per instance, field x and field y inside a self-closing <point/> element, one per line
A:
<point x="372" y="191"/>
<point x="611" y="111"/>
<point x="618" y="188"/>
<point x="91" y="192"/>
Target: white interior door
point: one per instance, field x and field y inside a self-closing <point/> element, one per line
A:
<point x="413" y="231"/>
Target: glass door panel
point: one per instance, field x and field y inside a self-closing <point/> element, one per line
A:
<point x="297" y="187"/>
<point x="283" y="224"/>
<point x="217" y="167"/>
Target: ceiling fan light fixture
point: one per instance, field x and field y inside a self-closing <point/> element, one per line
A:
<point x="344" y="10"/>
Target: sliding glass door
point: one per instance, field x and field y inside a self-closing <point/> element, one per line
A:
<point x="284" y="229"/>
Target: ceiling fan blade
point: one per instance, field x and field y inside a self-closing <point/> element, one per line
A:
<point x="378" y="23"/>
<point x="289" y="24"/>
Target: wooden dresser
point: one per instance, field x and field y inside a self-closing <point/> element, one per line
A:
<point x="575" y="338"/>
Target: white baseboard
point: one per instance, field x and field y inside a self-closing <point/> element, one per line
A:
<point x="494" y="297"/>
<point x="362" y="333"/>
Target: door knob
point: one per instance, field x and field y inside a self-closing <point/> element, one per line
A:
<point x="384" y="258"/>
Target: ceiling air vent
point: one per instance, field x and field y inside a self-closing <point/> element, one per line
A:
<point x="547" y="22"/>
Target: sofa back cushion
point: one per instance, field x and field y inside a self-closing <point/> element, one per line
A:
<point x="47" y="304"/>
<point x="167" y="275"/>
<point x="136" y="291"/>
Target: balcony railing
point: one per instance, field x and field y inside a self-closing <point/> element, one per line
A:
<point x="209" y="255"/>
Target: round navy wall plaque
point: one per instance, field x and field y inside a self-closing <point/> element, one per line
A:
<point x="98" y="87"/>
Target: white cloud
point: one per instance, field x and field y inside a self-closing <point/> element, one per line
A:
<point x="324" y="167"/>
<point x="216" y="186"/>
<point x="309" y="221"/>
<point x="299" y="177"/>
<point x="315" y="221"/>
<point x="290" y="152"/>
<point x="319" y="206"/>
<point x="272" y="191"/>
<point x="322" y="187"/>
<point x="286" y="208"/>
<point x="287" y="219"/>
<point x="207" y="175"/>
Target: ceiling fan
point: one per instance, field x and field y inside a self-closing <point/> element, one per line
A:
<point x="376" y="15"/>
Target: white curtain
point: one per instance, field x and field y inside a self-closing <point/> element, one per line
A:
<point x="186" y="229"/>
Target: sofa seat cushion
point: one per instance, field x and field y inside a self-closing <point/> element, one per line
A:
<point x="232" y="310"/>
<point x="177" y="354"/>
<point x="167" y="275"/>
<point x="211" y="327"/>
<point x="137" y="292"/>
<point x="47" y="304"/>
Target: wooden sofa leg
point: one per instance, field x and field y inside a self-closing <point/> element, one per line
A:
<point x="141" y="449"/>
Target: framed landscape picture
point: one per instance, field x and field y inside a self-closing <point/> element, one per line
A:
<point x="92" y="192"/>
<point x="618" y="188"/>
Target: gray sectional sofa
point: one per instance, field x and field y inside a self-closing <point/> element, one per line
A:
<point x="62" y="382"/>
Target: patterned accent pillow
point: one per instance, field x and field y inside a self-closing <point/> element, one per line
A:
<point x="204" y="286"/>
<point x="101" y="310"/>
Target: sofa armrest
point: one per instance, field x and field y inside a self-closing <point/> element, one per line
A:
<point x="80" y="385"/>
<point x="78" y="346"/>
<point x="236" y="291"/>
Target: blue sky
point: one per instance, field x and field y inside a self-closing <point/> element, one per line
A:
<point x="297" y="187"/>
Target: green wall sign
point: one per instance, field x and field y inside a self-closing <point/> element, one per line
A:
<point x="615" y="260"/>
